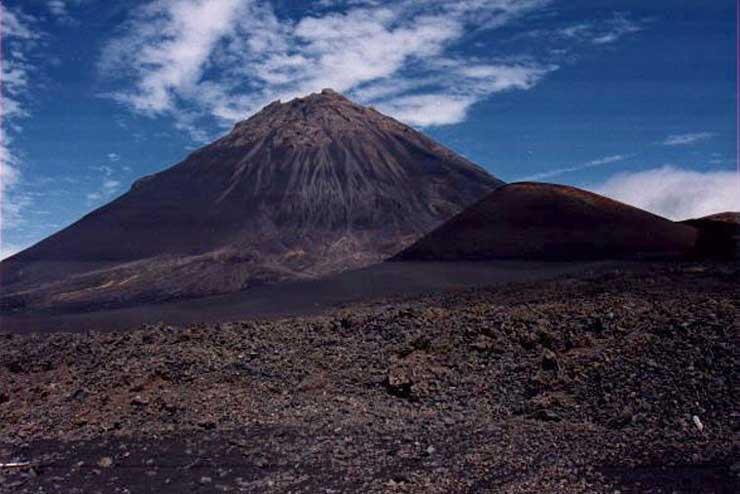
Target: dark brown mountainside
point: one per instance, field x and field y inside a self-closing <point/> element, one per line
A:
<point x="537" y="221"/>
<point x="719" y="235"/>
<point x="302" y="189"/>
<point x="730" y="217"/>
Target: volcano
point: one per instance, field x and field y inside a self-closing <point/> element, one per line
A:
<point x="300" y="190"/>
<point x="545" y="222"/>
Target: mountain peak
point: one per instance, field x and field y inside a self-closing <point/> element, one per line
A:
<point x="311" y="121"/>
<point x="326" y="95"/>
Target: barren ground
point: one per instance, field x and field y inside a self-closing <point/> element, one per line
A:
<point x="584" y="384"/>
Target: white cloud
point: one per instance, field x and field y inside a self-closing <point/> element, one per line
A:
<point x="607" y="160"/>
<point x="12" y="200"/>
<point x="676" y="193"/>
<point x="168" y="47"/>
<point x="17" y="25"/>
<point x="57" y="7"/>
<point x="107" y="186"/>
<point x="228" y="58"/>
<point x="685" y="139"/>
<point x="7" y="250"/>
<point x="60" y="10"/>
<point x="599" y="32"/>
<point x="110" y="184"/>
<point x="18" y="37"/>
<point x="577" y="30"/>
<point x="717" y="159"/>
<point x="619" y="26"/>
<point x="450" y="105"/>
<point x="562" y="171"/>
<point x="428" y="109"/>
<point x="105" y="170"/>
<point x="9" y="177"/>
<point x="8" y="171"/>
<point x="113" y="157"/>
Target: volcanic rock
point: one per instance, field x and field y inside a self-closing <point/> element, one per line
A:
<point x="618" y="415"/>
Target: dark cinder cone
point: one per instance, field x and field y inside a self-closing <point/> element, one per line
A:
<point x="537" y="221"/>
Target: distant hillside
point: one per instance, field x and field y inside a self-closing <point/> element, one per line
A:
<point x="536" y="221"/>
<point x="719" y="235"/>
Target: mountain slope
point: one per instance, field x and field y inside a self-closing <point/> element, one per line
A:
<point x="719" y="235"/>
<point x="537" y="221"/>
<point x="302" y="189"/>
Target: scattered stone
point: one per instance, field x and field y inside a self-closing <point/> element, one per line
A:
<point x="484" y="343"/>
<point x="139" y="401"/>
<point x="398" y="383"/>
<point x="546" y="416"/>
<point x="697" y="423"/>
<point x="550" y="361"/>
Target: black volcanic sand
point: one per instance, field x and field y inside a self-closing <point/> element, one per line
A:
<point x="313" y="297"/>
<point x="576" y="385"/>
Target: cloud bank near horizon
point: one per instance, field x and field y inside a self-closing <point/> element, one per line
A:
<point x="675" y="193"/>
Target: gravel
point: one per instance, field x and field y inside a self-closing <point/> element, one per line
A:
<point x="583" y="384"/>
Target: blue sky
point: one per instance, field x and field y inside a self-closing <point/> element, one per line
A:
<point x="629" y="98"/>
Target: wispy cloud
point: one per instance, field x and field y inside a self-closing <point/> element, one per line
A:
<point x="110" y="184"/>
<point x="577" y="30"/>
<point x="599" y="32"/>
<point x="619" y="26"/>
<point x="569" y="169"/>
<point x="228" y="58"/>
<point x="7" y="250"/>
<point x="61" y="10"/>
<point x="9" y="173"/>
<point x="107" y="186"/>
<point x="675" y="193"/>
<point x="717" y="159"/>
<point x="105" y="170"/>
<point x="685" y="139"/>
<point x="19" y="37"/>
<point x="9" y="176"/>
<point x="57" y="7"/>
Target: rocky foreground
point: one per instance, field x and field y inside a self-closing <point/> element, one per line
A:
<point x="618" y="382"/>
